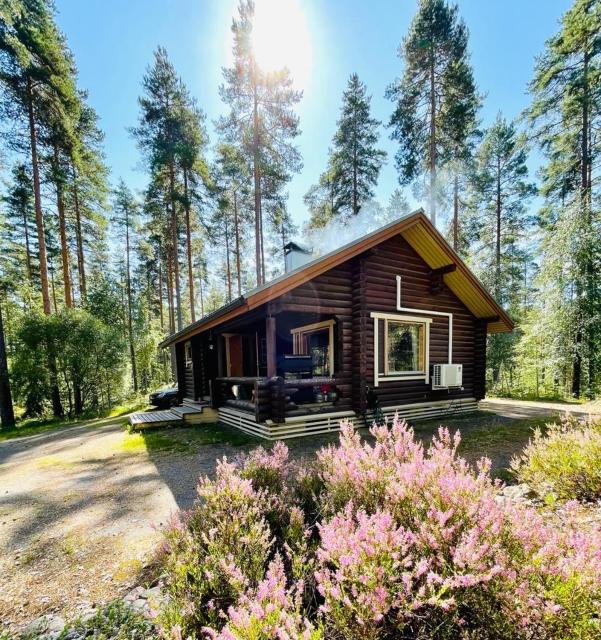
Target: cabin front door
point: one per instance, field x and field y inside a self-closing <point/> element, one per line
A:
<point x="234" y="354"/>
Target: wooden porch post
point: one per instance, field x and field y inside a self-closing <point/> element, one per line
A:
<point x="270" y="335"/>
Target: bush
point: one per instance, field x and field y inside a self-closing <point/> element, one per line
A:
<point x="73" y="351"/>
<point x="564" y="463"/>
<point x="383" y="540"/>
<point x="115" y="621"/>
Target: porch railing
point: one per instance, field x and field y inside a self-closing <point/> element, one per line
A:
<point x="271" y="398"/>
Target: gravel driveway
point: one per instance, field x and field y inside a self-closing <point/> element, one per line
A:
<point x="80" y="511"/>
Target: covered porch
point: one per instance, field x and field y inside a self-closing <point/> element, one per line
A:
<point x="272" y="366"/>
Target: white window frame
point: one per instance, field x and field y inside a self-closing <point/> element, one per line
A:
<point x="311" y="328"/>
<point x="188" y="354"/>
<point x="410" y="375"/>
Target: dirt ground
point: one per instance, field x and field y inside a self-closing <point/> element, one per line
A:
<point x="81" y="507"/>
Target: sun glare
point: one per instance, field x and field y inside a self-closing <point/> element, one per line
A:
<point x="281" y="39"/>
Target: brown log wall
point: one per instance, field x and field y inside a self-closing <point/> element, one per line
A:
<point x="365" y="284"/>
<point x="378" y="273"/>
<point x="331" y="294"/>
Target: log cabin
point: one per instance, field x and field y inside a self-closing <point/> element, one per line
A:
<point x="391" y="322"/>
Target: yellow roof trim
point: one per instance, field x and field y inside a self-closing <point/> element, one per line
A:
<point x="436" y="252"/>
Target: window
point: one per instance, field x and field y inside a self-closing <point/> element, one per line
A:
<point x="188" y="353"/>
<point x="405" y="347"/>
<point x="316" y="340"/>
<point x="401" y="347"/>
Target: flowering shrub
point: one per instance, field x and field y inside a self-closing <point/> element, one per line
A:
<point x="565" y="463"/>
<point x="382" y="540"/>
<point x="271" y="611"/>
<point x="215" y="552"/>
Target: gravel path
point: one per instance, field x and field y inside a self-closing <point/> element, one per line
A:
<point x="80" y="513"/>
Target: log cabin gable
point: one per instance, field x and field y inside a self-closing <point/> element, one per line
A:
<point x="394" y="284"/>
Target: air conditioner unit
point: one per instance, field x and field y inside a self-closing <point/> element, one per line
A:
<point x="446" y="376"/>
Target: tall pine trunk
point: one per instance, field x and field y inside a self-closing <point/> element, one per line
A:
<point x="227" y="261"/>
<point x="62" y="225"/>
<point x="27" y="248"/>
<point x="189" y="247"/>
<point x="7" y="414"/>
<point x="81" y="264"/>
<point x="498" y="234"/>
<point x="57" y="408"/>
<point x="237" y="237"/>
<point x="432" y="141"/>
<point x="132" y="351"/>
<point x="456" y="214"/>
<point x="585" y="269"/>
<point x="160" y="266"/>
<point x="355" y="194"/>
<point x="170" y="290"/>
<point x="39" y="216"/>
<point x="175" y="242"/>
<point x="202" y="297"/>
<point x="257" y="185"/>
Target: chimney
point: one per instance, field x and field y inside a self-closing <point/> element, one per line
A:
<point x="295" y="256"/>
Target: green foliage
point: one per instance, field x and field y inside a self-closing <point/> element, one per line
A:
<point x="262" y="124"/>
<point x="435" y="99"/>
<point x="354" y="161"/>
<point x="115" y="621"/>
<point x="218" y="550"/>
<point x="88" y="356"/>
<point x="398" y="540"/>
<point x="564" y="463"/>
<point x="565" y="112"/>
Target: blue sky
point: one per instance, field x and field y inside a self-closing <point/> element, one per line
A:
<point x="113" y="42"/>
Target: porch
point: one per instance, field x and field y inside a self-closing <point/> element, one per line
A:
<point x="277" y="407"/>
<point x="271" y="365"/>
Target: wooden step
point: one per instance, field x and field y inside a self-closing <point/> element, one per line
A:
<point x="187" y="402"/>
<point x="144" y="419"/>
<point x="186" y="409"/>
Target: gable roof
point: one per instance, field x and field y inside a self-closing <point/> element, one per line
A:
<point x="421" y="235"/>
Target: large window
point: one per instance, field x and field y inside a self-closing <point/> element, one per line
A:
<point x="316" y="340"/>
<point x="401" y="347"/>
<point x="405" y="347"/>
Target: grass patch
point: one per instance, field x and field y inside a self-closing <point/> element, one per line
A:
<point x="483" y="429"/>
<point x="33" y="426"/>
<point x="182" y="439"/>
<point x="54" y="462"/>
<point x="150" y="441"/>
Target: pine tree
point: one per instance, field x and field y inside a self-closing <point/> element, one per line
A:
<point x="355" y="160"/>
<point x="261" y="122"/>
<point x="195" y="174"/>
<point x="160" y="134"/>
<point x="320" y="199"/>
<point x="234" y="182"/>
<point x="125" y="219"/>
<point x="7" y="415"/>
<point x="20" y="241"/>
<point x="87" y="193"/>
<point x="500" y="225"/>
<point x="565" y="114"/>
<point x="435" y="99"/>
<point x="36" y="75"/>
